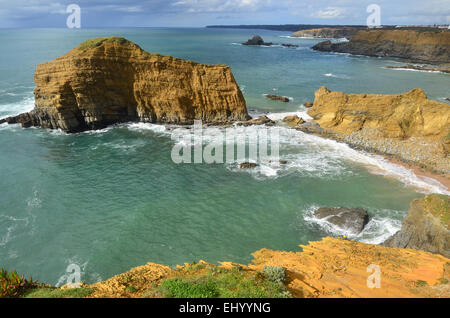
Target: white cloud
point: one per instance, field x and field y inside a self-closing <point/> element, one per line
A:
<point x="197" y="6"/>
<point x="329" y="13"/>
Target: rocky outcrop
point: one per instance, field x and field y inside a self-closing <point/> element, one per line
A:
<point x="419" y="46"/>
<point x="423" y="68"/>
<point x="248" y="165"/>
<point x="408" y="126"/>
<point x="328" y="33"/>
<point x="261" y="120"/>
<point x="293" y="121"/>
<point x="257" y="40"/>
<point x="276" y="97"/>
<point x="426" y="227"/>
<point x="348" y="220"/>
<point x="111" y="80"/>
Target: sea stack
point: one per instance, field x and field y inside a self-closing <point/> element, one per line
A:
<point x="111" y="80"/>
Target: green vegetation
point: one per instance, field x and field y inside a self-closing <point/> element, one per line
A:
<point x="421" y="283"/>
<point x="439" y="206"/>
<point x="215" y="282"/>
<point x="92" y="43"/>
<point x="13" y="285"/>
<point x="443" y="280"/>
<point x="52" y="292"/>
<point x="275" y="274"/>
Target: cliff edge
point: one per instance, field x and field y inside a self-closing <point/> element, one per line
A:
<point x="330" y="33"/>
<point x="111" y="80"/>
<point x="414" y="45"/>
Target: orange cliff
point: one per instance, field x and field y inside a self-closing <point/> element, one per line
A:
<point x="335" y="267"/>
<point x="110" y="80"/>
<point x="408" y="126"/>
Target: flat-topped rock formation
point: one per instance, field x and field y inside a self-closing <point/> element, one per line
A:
<point x="408" y="126"/>
<point x="329" y="33"/>
<point x="111" y="80"/>
<point x="414" y="45"/>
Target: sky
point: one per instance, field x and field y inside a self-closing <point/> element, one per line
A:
<point x="199" y="13"/>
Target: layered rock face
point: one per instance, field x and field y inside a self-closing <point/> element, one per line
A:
<point x="330" y="33"/>
<point x="419" y="46"/>
<point x="426" y="227"/>
<point x="111" y="80"/>
<point x="407" y="126"/>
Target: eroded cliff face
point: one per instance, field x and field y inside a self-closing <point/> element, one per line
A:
<point x="333" y="33"/>
<point x="111" y="80"/>
<point x="426" y="227"/>
<point x="419" y="46"/>
<point x="408" y="126"/>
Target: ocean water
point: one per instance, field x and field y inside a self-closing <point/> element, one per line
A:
<point x="113" y="199"/>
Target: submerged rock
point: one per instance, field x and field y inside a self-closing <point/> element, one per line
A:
<point x="349" y="220"/>
<point x="111" y="80"/>
<point x="308" y="104"/>
<point x="426" y="227"/>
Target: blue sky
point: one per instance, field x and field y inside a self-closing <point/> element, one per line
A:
<point x="197" y="13"/>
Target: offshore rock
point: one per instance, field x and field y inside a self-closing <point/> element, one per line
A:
<point x="111" y="80"/>
<point x="257" y="40"/>
<point x="349" y="220"/>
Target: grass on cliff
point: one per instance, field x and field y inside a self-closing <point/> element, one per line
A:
<point x="52" y="292"/>
<point x="211" y="281"/>
<point x="92" y="43"/>
<point x="439" y="206"/>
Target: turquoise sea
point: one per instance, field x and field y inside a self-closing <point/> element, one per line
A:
<point x="113" y="199"/>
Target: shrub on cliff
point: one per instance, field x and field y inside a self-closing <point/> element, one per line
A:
<point x="13" y="285"/>
<point x="275" y="274"/>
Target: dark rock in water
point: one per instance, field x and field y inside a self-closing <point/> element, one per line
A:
<point x="248" y="165"/>
<point x="293" y="121"/>
<point x="351" y="220"/>
<point x="308" y="104"/>
<point x="262" y="120"/>
<point x="283" y="162"/>
<point x="289" y="45"/>
<point x="256" y="40"/>
<point x="426" y="227"/>
<point x="276" y="97"/>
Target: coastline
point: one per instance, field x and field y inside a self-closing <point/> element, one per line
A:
<point x="422" y="172"/>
